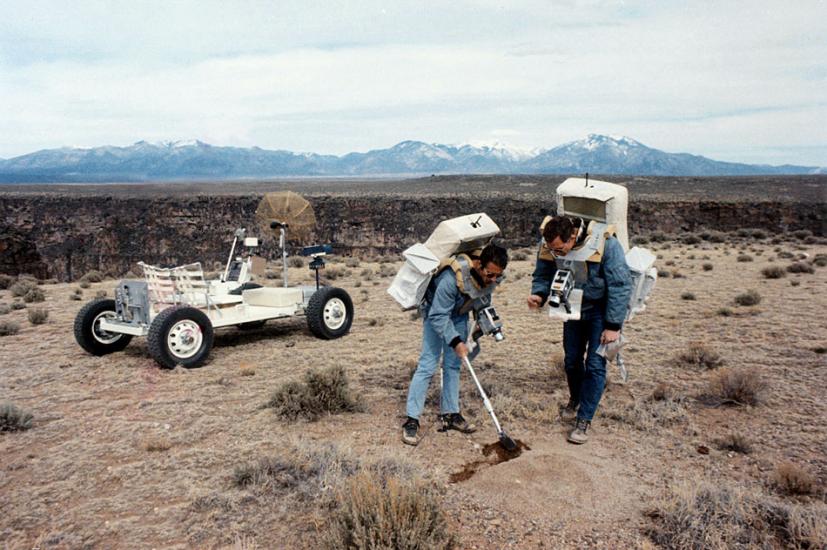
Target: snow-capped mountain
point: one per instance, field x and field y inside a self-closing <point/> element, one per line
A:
<point x="143" y="161"/>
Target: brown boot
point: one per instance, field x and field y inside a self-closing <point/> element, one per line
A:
<point x="568" y="412"/>
<point x="579" y="434"/>
<point x="455" y="421"/>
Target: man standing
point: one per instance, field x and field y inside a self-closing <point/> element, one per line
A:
<point x="606" y="294"/>
<point x="445" y="331"/>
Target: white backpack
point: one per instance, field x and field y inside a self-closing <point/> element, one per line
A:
<point x="451" y="237"/>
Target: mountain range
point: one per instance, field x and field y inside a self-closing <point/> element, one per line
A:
<point x="143" y="161"/>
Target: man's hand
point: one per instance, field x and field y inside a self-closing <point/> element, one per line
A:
<point x="609" y="336"/>
<point x="534" y="301"/>
<point x="461" y="350"/>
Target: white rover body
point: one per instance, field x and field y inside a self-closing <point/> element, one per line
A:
<point x="178" y="310"/>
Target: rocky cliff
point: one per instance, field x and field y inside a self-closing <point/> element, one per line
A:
<point x="64" y="235"/>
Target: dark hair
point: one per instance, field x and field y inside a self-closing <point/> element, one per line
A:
<point x="495" y="254"/>
<point x="559" y="226"/>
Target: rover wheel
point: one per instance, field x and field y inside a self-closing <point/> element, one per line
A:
<point x="180" y="336"/>
<point x="89" y="334"/>
<point x="329" y="313"/>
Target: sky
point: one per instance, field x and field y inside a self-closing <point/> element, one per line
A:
<point x="741" y="81"/>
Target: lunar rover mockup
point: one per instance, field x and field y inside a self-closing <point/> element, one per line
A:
<point x="177" y="309"/>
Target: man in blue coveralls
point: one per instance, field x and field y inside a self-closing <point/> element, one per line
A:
<point x="445" y="332"/>
<point x="606" y="295"/>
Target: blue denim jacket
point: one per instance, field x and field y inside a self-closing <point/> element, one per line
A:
<point x="442" y="305"/>
<point x="609" y="283"/>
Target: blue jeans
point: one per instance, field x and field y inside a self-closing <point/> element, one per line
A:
<point x="433" y="346"/>
<point x="586" y="380"/>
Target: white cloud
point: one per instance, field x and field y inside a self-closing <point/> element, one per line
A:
<point x="708" y="79"/>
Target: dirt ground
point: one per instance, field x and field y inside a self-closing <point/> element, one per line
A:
<point x="123" y="454"/>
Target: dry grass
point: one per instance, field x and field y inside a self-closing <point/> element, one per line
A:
<point x="6" y="281"/>
<point x="34" y="295"/>
<point x="715" y="516"/>
<point x="37" y="315"/>
<point x="662" y="409"/>
<point x="735" y="443"/>
<point x="92" y="276"/>
<point x="322" y="391"/>
<point x="773" y="272"/>
<point x="698" y="354"/>
<point x="748" y="298"/>
<point x="9" y="328"/>
<point x="800" y="267"/>
<point x="21" y="287"/>
<point x="154" y="444"/>
<point x="792" y="479"/>
<point x="370" y="513"/>
<point x="14" y="419"/>
<point x="738" y="387"/>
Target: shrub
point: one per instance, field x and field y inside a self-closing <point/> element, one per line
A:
<point x="802" y="234"/>
<point x="800" y="267"/>
<point x="714" y="236"/>
<point x="658" y="237"/>
<point x="18" y="305"/>
<point x="14" y="419"/>
<point x="153" y="444"/>
<point x="773" y="272"/>
<point x="698" y="355"/>
<point x="738" y="387"/>
<point x="34" y="295"/>
<point x="820" y="260"/>
<point x="352" y="262"/>
<point x="724" y="312"/>
<point x="322" y="391"/>
<point x="9" y="328"/>
<point x="664" y="274"/>
<point x="785" y="255"/>
<point x="691" y="238"/>
<point x="6" y="281"/>
<point x="393" y="514"/>
<point x="687" y="296"/>
<point x="21" y="287"/>
<point x="519" y="256"/>
<point x="659" y="410"/>
<point x="295" y="261"/>
<point x="270" y="274"/>
<point x="792" y="479"/>
<point x="795" y="283"/>
<point x="75" y="297"/>
<point x="92" y="276"/>
<point x="734" y="442"/>
<point x="662" y="392"/>
<point x="677" y="274"/>
<point x="100" y="294"/>
<point x="309" y="470"/>
<point x="5" y="309"/>
<point x="707" y="266"/>
<point x="748" y="298"/>
<point x="84" y="284"/>
<point x="715" y="516"/>
<point x="640" y="239"/>
<point x="333" y="273"/>
<point x="744" y="258"/>
<point x="38" y="315"/>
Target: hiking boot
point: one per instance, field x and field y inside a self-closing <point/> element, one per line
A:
<point x="568" y="412"/>
<point x="455" y="421"/>
<point x="409" y="431"/>
<point x="578" y="435"/>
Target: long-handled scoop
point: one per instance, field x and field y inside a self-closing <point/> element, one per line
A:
<point x="505" y="442"/>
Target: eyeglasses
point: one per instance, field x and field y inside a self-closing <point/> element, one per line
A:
<point x="489" y="275"/>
